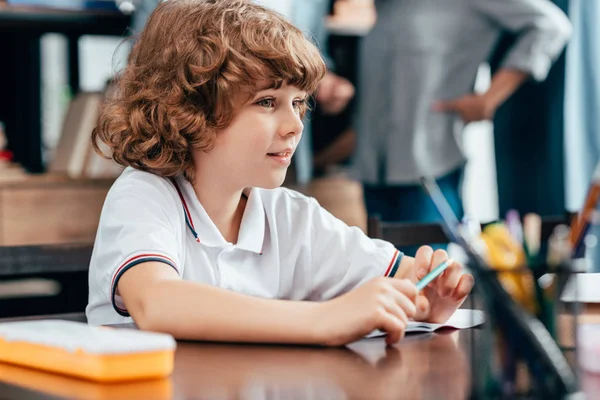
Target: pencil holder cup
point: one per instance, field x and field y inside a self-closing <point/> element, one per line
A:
<point x="545" y="293"/>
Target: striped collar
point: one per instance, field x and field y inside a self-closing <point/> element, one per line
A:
<point x="186" y="211"/>
<point x="252" y="229"/>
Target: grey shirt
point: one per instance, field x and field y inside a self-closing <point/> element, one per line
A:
<point x="421" y="51"/>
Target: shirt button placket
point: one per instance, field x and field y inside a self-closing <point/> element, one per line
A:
<point x="226" y="281"/>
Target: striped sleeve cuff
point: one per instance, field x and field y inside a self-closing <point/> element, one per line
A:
<point x="116" y="300"/>
<point x="394" y="263"/>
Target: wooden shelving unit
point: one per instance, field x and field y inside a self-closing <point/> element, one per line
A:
<point x="49" y="208"/>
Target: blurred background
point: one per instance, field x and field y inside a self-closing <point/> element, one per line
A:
<point x="499" y="103"/>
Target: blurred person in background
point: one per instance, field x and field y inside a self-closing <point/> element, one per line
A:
<point x="417" y="73"/>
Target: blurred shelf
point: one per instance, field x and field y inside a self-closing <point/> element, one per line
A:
<point x="16" y="178"/>
<point x="20" y="70"/>
<point x="39" y="19"/>
<point x="31" y="260"/>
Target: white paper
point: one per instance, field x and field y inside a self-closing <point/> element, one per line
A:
<point x="587" y="286"/>
<point x="461" y="319"/>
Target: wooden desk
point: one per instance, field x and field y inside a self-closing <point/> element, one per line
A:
<point x="436" y="366"/>
<point x="20" y="80"/>
<point x="420" y="367"/>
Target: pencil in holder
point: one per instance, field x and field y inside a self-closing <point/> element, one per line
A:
<point x="539" y="292"/>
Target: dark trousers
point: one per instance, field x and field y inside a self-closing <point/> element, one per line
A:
<point x="410" y="203"/>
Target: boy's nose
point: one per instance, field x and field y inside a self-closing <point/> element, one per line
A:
<point x="292" y="125"/>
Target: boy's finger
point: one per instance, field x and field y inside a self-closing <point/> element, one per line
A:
<point x="422" y="306"/>
<point x="406" y="288"/>
<point x="464" y="287"/>
<point x="398" y="311"/>
<point x="449" y="280"/>
<point x="439" y="256"/>
<point x="393" y="327"/>
<point x="423" y="261"/>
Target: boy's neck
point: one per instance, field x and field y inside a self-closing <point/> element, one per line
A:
<point x="224" y="206"/>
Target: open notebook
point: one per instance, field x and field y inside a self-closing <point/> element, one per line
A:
<point x="461" y="319"/>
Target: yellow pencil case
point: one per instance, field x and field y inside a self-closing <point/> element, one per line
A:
<point x="91" y="352"/>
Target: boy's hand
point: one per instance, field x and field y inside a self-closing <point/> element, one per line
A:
<point x="446" y="292"/>
<point x="381" y="303"/>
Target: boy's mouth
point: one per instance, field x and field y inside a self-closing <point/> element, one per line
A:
<point x="282" y="158"/>
<point x="284" y="154"/>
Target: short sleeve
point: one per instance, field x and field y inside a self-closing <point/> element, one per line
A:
<point x="542" y="31"/>
<point x="344" y="257"/>
<point x="137" y="225"/>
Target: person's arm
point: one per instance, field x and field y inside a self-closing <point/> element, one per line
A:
<point x="504" y="83"/>
<point x="339" y="150"/>
<point x="542" y="31"/>
<point x="159" y="300"/>
<point x="478" y="107"/>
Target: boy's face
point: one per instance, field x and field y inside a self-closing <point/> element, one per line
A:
<point x="256" y="149"/>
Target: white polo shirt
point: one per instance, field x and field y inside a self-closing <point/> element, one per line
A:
<point x="289" y="247"/>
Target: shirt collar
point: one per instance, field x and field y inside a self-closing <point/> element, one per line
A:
<point x="252" y="228"/>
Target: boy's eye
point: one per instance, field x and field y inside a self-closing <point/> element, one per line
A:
<point x="299" y="103"/>
<point x="267" y="103"/>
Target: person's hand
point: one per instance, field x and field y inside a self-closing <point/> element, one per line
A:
<point x="470" y="107"/>
<point x="446" y="292"/>
<point x="381" y="303"/>
<point x="334" y="93"/>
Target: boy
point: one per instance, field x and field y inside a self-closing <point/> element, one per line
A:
<point x="195" y="238"/>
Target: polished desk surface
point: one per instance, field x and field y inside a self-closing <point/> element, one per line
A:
<point x="422" y="366"/>
<point x="433" y="366"/>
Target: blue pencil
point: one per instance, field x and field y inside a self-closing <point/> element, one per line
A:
<point x="434" y="274"/>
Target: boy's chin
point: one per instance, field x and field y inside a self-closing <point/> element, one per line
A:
<point x="273" y="182"/>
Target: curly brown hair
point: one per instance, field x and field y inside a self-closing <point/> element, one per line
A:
<point x="183" y="76"/>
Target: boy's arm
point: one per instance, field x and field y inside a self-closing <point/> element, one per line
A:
<point x="159" y="300"/>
